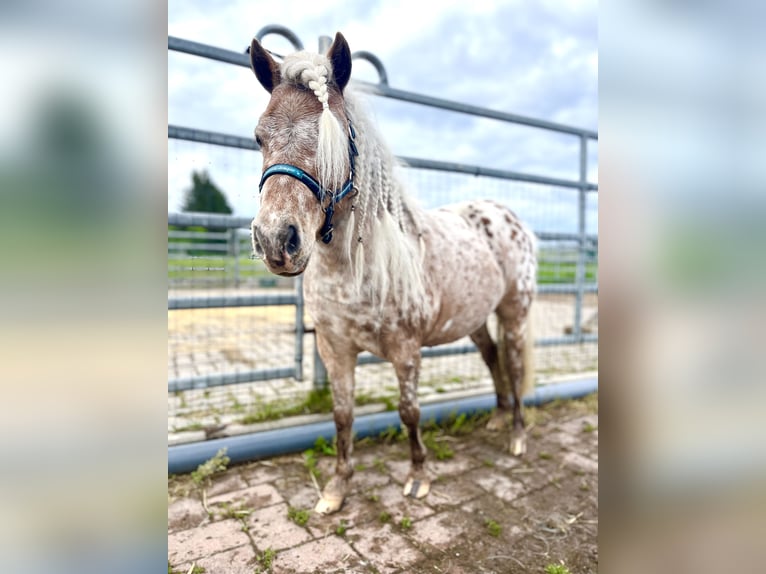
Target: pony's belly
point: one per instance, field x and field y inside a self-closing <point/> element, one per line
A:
<point x="455" y="327"/>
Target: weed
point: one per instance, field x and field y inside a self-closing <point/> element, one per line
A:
<point x="390" y="404"/>
<point x="545" y="455"/>
<point x="587" y="427"/>
<point x="266" y="558"/>
<point x="310" y="462"/>
<point x="340" y="530"/>
<point x="488" y="462"/>
<point x="390" y="434"/>
<point x="379" y="465"/>
<point x="384" y="517"/>
<point x="373" y="497"/>
<point x="406" y="523"/>
<point x="229" y="511"/>
<point x="584" y="486"/>
<point x="441" y="450"/>
<point x="321" y="445"/>
<point x="218" y="463"/>
<point x="455" y="427"/>
<point x="493" y="527"/>
<point x="300" y="517"/>
<point x="359" y="467"/>
<point x="441" y="390"/>
<point x="557" y="569"/>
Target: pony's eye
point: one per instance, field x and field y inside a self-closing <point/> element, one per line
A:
<point x="258" y="141"/>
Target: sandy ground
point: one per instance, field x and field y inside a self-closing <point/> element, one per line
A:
<point x="210" y="341"/>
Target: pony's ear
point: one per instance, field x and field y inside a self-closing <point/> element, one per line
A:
<point x="264" y="66"/>
<point x="340" y="57"/>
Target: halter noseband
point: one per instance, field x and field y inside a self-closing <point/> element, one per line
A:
<point x="319" y="192"/>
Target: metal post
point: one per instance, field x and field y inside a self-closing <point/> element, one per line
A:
<point x="299" y="328"/>
<point x="581" y="205"/>
<point x="324" y="44"/>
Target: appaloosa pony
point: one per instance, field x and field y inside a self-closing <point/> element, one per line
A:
<point x="382" y="275"/>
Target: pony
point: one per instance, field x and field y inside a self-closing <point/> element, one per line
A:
<point x="381" y="274"/>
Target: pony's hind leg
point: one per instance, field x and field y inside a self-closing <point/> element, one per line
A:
<point x="340" y="368"/>
<point x="489" y="352"/>
<point x="517" y="338"/>
<point x="418" y="483"/>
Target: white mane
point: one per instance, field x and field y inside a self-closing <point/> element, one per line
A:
<point x="384" y="246"/>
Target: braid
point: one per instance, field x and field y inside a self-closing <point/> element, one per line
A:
<point x="312" y="71"/>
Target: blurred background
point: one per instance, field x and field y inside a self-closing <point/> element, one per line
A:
<point x="84" y="287"/>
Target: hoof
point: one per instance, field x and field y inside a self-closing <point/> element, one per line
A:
<point x="518" y="443"/>
<point x="498" y="421"/>
<point x="417" y="488"/>
<point x="328" y="505"/>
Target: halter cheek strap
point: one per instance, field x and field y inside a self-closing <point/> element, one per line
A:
<point x="319" y="192"/>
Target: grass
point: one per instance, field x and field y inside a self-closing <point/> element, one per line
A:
<point x="266" y="558"/>
<point x="587" y="427"/>
<point x="316" y="402"/>
<point x="384" y="517"/>
<point x="440" y="449"/>
<point x="340" y="530"/>
<point x="493" y="527"/>
<point x="557" y="569"/>
<point x="406" y="523"/>
<point x="545" y="455"/>
<point x="216" y="464"/>
<point x="300" y="517"/>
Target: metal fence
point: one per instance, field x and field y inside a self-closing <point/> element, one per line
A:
<point x="238" y="338"/>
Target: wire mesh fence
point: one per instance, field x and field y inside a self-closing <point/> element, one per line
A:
<point x="241" y="349"/>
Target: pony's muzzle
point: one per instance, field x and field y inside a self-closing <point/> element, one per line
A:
<point x="279" y="252"/>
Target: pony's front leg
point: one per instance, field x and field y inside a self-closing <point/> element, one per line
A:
<point x="418" y="483"/>
<point x="340" y="368"/>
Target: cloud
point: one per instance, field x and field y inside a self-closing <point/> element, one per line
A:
<point x="537" y="59"/>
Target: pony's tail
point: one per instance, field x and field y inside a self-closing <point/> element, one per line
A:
<point x="528" y="357"/>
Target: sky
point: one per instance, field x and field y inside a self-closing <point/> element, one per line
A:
<point x="532" y="58"/>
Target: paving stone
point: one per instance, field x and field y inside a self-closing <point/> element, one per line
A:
<point x="500" y="485"/>
<point x="227" y="483"/>
<point x="304" y="497"/>
<point x="331" y="554"/>
<point x="451" y="491"/>
<point x="196" y="543"/>
<point x="386" y="549"/>
<point x="261" y="472"/>
<point x="251" y="498"/>
<point x="368" y="480"/>
<point x="185" y="513"/>
<point x="270" y="528"/>
<point x="398" y="506"/>
<point x="440" y="530"/>
<point x="240" y="560"/>
<point x="459" y="464"/>
<point x="579" y="461"/>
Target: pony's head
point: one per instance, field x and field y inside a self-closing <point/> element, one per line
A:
<point x="303" y="132"/>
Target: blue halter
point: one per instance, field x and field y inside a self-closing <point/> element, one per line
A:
<point x="335" y="196"/>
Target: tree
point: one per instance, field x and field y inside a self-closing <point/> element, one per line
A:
<point x="205" y="196"/>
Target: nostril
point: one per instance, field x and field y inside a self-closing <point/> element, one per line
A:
<point x="293" y="242"/>
<point x="257" y="248"/>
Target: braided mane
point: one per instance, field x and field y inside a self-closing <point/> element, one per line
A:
<point x="384" y="246"/>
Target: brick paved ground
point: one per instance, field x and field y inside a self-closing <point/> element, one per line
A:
<point x="487" y="511"/>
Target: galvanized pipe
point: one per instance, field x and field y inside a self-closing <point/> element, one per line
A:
<point x="187" y="457"/>
<point x="227" y="140"/>
<point x="213" y="53"/>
